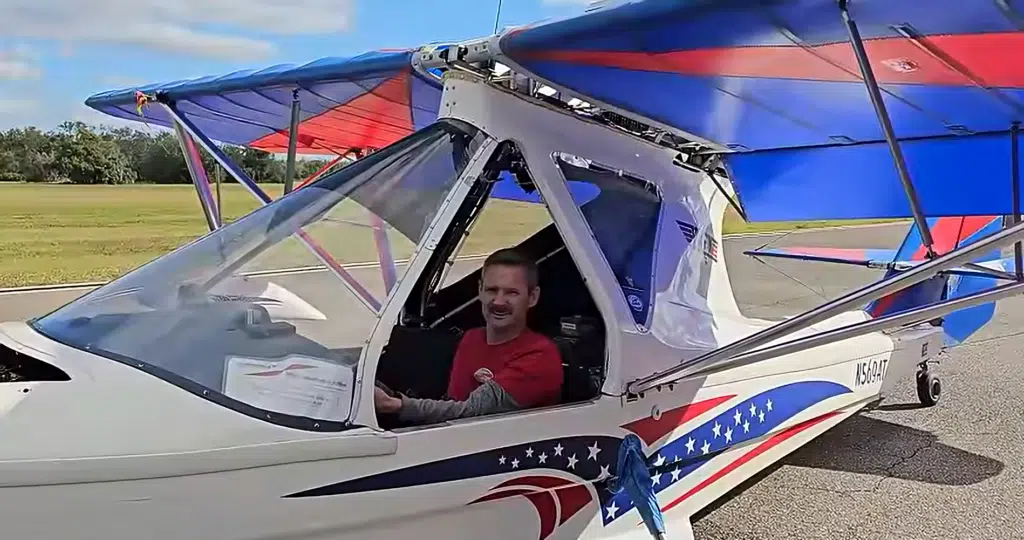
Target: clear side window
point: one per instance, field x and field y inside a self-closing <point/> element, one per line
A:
<point x="622" y="212"/>
<point x="509" y="217"/>
<point x="503" y="210"/>
<point x="269" y="314"/>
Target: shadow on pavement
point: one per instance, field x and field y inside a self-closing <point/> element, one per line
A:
<point x="867" y="445"/>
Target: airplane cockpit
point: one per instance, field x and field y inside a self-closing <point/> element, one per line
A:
<point x="290" y="293"/>
<point x="443" y="304"/>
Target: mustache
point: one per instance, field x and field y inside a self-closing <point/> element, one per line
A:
<point x="495" y="308"/>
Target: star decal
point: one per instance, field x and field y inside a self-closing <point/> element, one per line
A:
<point x="689" y="449"/>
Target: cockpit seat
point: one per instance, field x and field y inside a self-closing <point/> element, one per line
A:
<point x="581" y="345"/>
<point x="418" y="361"/>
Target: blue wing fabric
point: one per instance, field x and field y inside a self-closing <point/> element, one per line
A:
<point x="362" y="102"/>
<point x="778" y="83"/>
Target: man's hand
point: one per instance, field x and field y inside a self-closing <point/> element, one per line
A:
<point x="483" y="375"/>
<point x="384" y="403"/>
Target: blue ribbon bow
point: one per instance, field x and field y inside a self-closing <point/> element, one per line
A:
<point x="633" y="476"/>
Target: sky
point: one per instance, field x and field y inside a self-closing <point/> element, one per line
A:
<point x="56" y="53"/>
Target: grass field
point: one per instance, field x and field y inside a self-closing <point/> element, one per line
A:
<point x="64" y="233"/>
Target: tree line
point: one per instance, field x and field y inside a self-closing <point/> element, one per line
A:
<point x="78" y="153"/>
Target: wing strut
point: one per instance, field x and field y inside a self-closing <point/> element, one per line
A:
<point x="1015" y="175"/>
<point x="874" y="325"/>
<point x="186" y="126"/>
<point x="293" y="138"/>
<point x="201" y="181"/>
<point x="936" y="264"/>
<point x="883" y="119"/>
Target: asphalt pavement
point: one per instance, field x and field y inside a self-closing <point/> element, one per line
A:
<point x="898" y="472"/>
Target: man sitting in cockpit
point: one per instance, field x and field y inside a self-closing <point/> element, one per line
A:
<point x="501" y="367"/>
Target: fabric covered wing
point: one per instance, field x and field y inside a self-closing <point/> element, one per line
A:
<point x="777" y="82"/>
<point x="363" y="102"/>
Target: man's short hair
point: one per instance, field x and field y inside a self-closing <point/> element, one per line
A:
<point x="512" y="257"/>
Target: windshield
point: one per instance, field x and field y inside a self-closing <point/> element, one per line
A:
<point x="271" y="312"/>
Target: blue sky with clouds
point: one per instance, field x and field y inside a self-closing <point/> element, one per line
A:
<point x="56" y="53"/>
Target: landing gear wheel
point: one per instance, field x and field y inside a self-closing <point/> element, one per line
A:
<point x="928" y="388"/>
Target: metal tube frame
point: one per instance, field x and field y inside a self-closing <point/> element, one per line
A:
<point x="917" y="274"/>
<point x="196" y="171"/>
<point x="886" y="124"/>
<point x="978" y="269"/>
<point x="293" y="138"/>
<point x="236" y="172"/>
<point x="829" y="309"/>
<point x="1018" y="268"/>
<point x="320" y="172"/>
<point x="388" y="269"/>
<point x="364" y="296"/>
<point x="386" y="260"/>
<point x="910" y="317"/>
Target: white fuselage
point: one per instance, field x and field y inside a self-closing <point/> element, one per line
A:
<point x="117" y="453"/>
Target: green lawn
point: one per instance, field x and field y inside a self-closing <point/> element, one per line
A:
<point x="65" y="233"/>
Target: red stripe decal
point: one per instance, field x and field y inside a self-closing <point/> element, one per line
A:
<point x="541" y="482"/>
<point x="650" y="430"/>
<point x="506" y="494"/>
<point x="990" y="57"/>
<point x="773" y="441"/>
<point x="571" y="500"/>
<point x="547" y="510"/>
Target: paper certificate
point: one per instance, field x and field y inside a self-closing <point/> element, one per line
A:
<point x="296" y="385"/>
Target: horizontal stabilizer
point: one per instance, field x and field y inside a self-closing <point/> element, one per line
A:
<point x="985" y="271"/>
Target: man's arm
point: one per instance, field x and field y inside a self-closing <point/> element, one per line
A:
<point x="488" y="398"/>
<point x="524" y="383"/>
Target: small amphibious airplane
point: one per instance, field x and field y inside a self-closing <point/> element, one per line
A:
<point x="225" y="390"/>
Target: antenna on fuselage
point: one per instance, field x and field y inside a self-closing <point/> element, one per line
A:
<point x="497" y="17"/>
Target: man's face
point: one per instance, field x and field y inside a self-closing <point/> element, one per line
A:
<point x="506" y="297"/>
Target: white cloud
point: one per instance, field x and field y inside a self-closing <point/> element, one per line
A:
<point x="176" y="26"/>
<point x="17" y="107"/>
<point x="18" y="65"/>
<point x="121" y="81"/>
<point x="17" y="111"/>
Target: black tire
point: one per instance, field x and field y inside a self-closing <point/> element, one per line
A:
<point x="929" y="388"/>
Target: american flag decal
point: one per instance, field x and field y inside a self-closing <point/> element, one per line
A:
<point x="561" y="476"/>
<point x="710" y="247"/>
<point x="764" y="417"/>
<point x="689" y="230"/>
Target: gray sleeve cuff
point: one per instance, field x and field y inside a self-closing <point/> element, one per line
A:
<point x="488" y="398"/>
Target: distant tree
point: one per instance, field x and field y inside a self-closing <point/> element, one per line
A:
<point x="29" y="155"/>
<point x="83" y="156"/>
<point x="306" y="167"/>
<point x="79" y="153"/>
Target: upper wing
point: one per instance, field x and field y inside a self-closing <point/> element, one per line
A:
<point x="362" y="102"/>
<point x="777" y="83"/>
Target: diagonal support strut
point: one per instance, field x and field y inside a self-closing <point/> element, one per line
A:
<point x="748" y="346"/>
<point x="293" y="138"/>
<point x="827" y="310"/>
<point x="361" y="293"/>
<point x="1018" y="269"/>
<point x="886" y="124"/>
